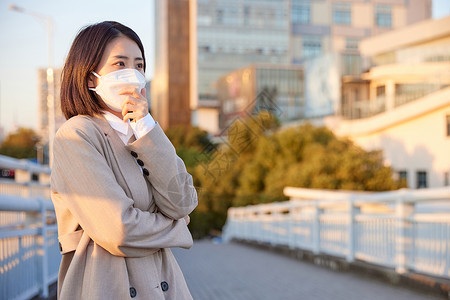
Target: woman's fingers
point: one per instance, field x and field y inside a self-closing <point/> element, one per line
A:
<point x="133" y="111"/>
<point x="135" y="105"/>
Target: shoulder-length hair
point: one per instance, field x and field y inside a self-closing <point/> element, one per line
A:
<point x="83" y="58"/>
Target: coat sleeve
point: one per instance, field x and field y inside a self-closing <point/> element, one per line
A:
<point x="87" y="187"/>
<point x="172" y="185"/>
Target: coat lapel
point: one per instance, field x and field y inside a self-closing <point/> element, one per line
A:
<point x="133" y="178"/>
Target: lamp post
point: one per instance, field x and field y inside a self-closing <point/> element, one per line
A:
<point x="50" y="75"/>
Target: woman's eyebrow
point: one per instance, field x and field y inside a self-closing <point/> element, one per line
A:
<point x="121" y="57"/>
<point x="126" y="57"/>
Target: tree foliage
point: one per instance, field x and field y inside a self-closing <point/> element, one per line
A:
<point x="191" y="144"/>
<point x="20" y="144"/>
<point x="258" y="161"/>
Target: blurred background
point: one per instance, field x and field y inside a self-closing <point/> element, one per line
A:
<point x="265" y="101"/>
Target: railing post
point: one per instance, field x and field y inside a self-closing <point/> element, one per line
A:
<point x="352" y="212"/>
<point x="403" y="211"/>
<point x="44" y="268"/>
<point x="316" y="228"/>
<point x="291" y="235"/>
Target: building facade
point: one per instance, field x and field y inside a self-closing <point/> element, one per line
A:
<point x="323" y="36"/>
<point x="234" y="33"/>
<point x="405" y="110"/>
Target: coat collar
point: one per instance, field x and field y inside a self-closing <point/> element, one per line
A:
<point x="127" y="164"/>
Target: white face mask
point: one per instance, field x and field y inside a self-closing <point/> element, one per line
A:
<point x="110" y="84"/>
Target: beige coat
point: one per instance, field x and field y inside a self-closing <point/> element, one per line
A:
<point x="116" y="222"/>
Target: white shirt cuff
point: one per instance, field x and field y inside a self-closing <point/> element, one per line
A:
<point x="143" y="126"/>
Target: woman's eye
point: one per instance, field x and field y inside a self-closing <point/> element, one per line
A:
<point x="120" y="64"/>
<point x="140" y="66"/>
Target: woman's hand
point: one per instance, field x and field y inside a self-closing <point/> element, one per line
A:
<point x="135" y="106"/>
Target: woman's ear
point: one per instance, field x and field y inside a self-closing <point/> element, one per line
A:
<point x="92" y="81"/>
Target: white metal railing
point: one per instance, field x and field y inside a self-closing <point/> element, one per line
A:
<point x="24" y="189"/>
<point x="29" y="248"/>
<point x="408" y="230"/>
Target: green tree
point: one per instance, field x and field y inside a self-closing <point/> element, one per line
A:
<point x="257" y="163"/>
<point x="191" y="143"/>
<point x="20" y="144"/>
<point x="219" y="179"/>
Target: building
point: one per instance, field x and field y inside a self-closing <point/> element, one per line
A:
<point x="43" y="111"/>
<point x="231" y="34"/>
<point x="234" y="33"/>
<point x="174" y="87"/>
<point x="322" y="36"/>
<point x="275" y="88"/>
<point x="405" y="107"/>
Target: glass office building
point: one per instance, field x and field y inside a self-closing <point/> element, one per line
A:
<point x="232" y="34"/>
<point x="274" y="88"/>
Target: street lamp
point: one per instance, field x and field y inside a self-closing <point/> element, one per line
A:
<point x="50" y="75"/>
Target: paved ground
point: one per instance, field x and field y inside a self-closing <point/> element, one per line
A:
<point x="234" y="272"/>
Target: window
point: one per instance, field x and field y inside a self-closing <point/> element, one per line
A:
<point x="312" y="46"/>
<point x="351" y="64"/>
<point x="446" y="179"/>
<point x="448" y="124"/>
<point x="219" y="16"/>
<point x="246" y="14"/>
<point x="421" y="179"/>
<point x="352" y="44"/>
<point x="403" y="178"/>
<point x="342" y="13"/>
<point x="300" y="13"/>
<point x="381" y="91"/>
<point x="383" y="16"/>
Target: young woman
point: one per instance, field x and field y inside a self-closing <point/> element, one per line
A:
<point x="121" y="194"/>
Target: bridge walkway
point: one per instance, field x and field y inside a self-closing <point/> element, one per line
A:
<point x="233" y="271"/>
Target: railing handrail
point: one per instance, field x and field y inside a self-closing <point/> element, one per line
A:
<point x="22" y="164"/>
<point x="15" y="203"/>
<point x="404" y="195"/>
<point x="25" y="184"/>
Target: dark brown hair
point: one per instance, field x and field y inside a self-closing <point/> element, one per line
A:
<point x="83" y="58"/>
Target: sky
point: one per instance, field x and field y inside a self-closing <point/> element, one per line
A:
<point x="23" y="44"/>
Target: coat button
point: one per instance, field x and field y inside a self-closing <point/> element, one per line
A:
<point x="134" y="154"/>
<point x="164" y="286"/>
<point x="140" y="162"/>
<point x="146" y="172"/>
<point x="132" y="292"/>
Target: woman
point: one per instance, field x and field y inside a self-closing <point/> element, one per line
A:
<point x="121" y="194"/>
